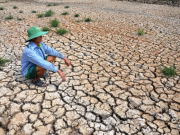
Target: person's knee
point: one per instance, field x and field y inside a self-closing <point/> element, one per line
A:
<point x="51" y="58"/>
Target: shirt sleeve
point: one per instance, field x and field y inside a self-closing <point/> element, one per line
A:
<point x="50" y="51"/>
<point x="37" y="60"/>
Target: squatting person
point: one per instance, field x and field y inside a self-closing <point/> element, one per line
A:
<point x="34" y="61"/>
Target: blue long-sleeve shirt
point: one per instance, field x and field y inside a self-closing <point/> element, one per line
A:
<point x="32" y="55"/>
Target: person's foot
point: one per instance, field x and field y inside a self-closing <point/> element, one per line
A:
<point x="39" y="83"/>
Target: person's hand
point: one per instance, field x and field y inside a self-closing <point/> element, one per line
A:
<point x="67" y="61"/>
<point x="61" y="74"/>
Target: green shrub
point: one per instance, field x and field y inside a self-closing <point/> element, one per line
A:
<point x="45" y="29"/>
<point x="15" y="7"/>
<point x="40" y="15"/>
<point x="140" y="32"/>
<point x="9" y="17"/>
<point x="20" y="11"/>
<point x="48" y="13"/>
<point x="54" y="23"/>
<point x="49" y="5"/>
<point x="76" y="15"/>
<point x="33" y="11"/>
<point x="61" y="31"/>
<point x="66" y="6"/>
<point x="1" y="8"/>
<point x="19" y="19"/>
<point x="87" y="20"/>
<point x="3" y="61"/>
<point x="170" y="72"/>
<point x="65" y="13"/>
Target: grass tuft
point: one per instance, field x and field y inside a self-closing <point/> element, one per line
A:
<point x="3" y="61"/>
<point x="54" y="23"/>
<point x="49" y="5"/>
<point x="66" y="6"/>
<point x="19" y="19"/>
<point x="48" y="13"/>
<point x="87" y="19"/>
<point x="76" y="15"/>
<point x="9" y="17"/>
<point x="33" y="11"/>
<point x="55" y="4"/>
<point x="15" y="7"/>
<point x="61" y="31"/>
<point x="170" y="72"/>
<point x="20" y="11"/>
<point x="65" y="13"/>
<point x="46" y="29"/>
<point x="140" y="32"/>
<point x="1" y="8"/>
<point x="40" y="15"/>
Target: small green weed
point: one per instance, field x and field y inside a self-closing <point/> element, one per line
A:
<point x="66" y="6"/>
<point x="33" y="11"/>
<point x="76" y="15"/>
<point x="49" y="5"/>
<point x="54" y="23"/>
<point x="140" y="32"/>
<point x="170" y="72"/>
<point x="65" y="13"/>
<point x="61" y="31"/>
<point x="87" y="19"/>
<point x="15" y="7"/>
<point x="46" y="29"/>
<point x="48" y="13"/>
<point x="1" y="8"/>
<point x="20" y="11"/>
<point x="19" y="19"/>
<point x="3" y="61"/>
<point x="40" y="15"/>
<point x="9" y="17"/>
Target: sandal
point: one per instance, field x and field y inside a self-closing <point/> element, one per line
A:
<point x="39" y="83"/>
<point x="45" y="75"/>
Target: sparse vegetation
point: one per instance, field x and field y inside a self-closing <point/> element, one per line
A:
<point x="19" y="19"/>
<point x="40" y="15"/>
<point x="33" y="11"/>
<point x="48" y="13"/>
<point x="76" y="15"/>
<point x="66" y="6"/>
<point x="20" y="11"/>
<point x="65" y="13"/>
<point x="49" y="5"/>
<point x="9" y="17"/>
<point x="55" y="4"/>
<point x="87" y="19"/>
<point x="170" y="72"/>
<point x="54" y="23"/>
<point x="15" y="7"/>
<point x="1" y="8"/>
<point x="61" y="31"/>
<point x="46" y="29"/>
<point x="140" y="32"/>
<point x="3" y="61"/>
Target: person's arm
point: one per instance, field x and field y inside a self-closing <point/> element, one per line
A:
<point x="37" y="60"/>
<point x="50" y="51"/>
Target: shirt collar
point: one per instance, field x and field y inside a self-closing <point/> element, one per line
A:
<point x="33" y="45"/>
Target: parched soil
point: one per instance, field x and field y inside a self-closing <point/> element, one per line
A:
<point x="114" y="85"/>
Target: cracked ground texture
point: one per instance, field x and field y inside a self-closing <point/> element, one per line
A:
<point x="113" y="86"/>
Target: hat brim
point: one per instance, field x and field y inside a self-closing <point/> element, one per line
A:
<point x="37" y="35"/>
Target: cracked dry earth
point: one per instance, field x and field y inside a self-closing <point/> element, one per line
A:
<point x="113" y="86"/>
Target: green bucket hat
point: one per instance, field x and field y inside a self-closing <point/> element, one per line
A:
<point x="34" y="32"/>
